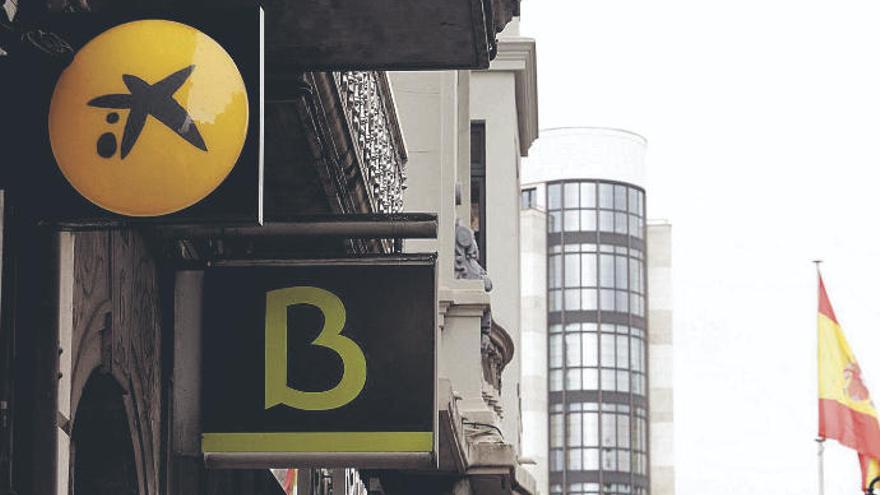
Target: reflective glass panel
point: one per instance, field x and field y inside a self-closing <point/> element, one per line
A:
<point x="606" y="300"/>
<point x="588" y="220"/>
<point x="555" y="275"/>
<point x="608" y="380"/>
<point x="622" y="300"/>
<point x="634" y="227"/>
<point x="572" y="270"/>
<point x="606" y="196"/>
<point x="609" y="459"/>
<point x="623" y="381"/>
<point x="634" y="201"/>
<point x="591" y="429"/>
<point x="607" y="354"/>
<point x="574" y="430"/>
<point x="556" y="351"/>
<point x="622" y="351"/>
<point x="572" y="220"/>
<point x="557" y="430"/>
<point x="572" y="349"/>
<point x="554" y="197"/>
<point x="555" y="300"/>
<point x="620" y="263"/>
<point x="623" y="430"/>
<point x="573" y="379"/>
<point x="591" y="379"/>
<point x="572" y="196"/>
<point x="574" y="459"/>
<point x="591" y="459"/>
<point x="555" y="380"/>
<point x="588" y="195"/>
<point x="606" y="270"/>
<point x="588" y="270"/>
<point x="572" y="299"/>
<point x="589" y="300"/>
<point x="554" y="221"/>
<point x="620" y="198"/>
<point x="623" y="458"/>
<point x="556" y="460"/>
<point x="606" y="221"/>
<point x="590" y="349"/>
<point x="620" y="223"/>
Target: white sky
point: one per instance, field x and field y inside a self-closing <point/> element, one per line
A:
<point x="763" y="124"/>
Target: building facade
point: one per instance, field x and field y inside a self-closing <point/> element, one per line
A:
<point x="99" y="373"/>
<point x="466" y="132"/>
<point x="586" y="265"/>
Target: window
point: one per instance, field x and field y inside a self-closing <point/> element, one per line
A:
<point x="554" y="197"/>
<point x="557" y="430"/>
<point x="528" y="199"/>
<point x="556" y="351"/>
<point x="606" y="270"/>
<point x="571" y="195"/>
<point x="554" y="274"/>
<point x="588" y="206"/>
<point x="588" y="270"/>
<point x="478" y="187"/>
<point x="572" y="270"/>
<point x="588" y="195"/>
<point x="620" y="198"/>
<point x="606" y="196"/>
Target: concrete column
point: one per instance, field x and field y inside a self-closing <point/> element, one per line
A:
<point x="533" y="245"/>
<point x="428" y="108"/>
<point x="660" y="358"/>
<point x="461" y="359"/>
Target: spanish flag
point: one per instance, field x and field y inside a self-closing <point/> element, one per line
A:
<point x="846" y="413"/>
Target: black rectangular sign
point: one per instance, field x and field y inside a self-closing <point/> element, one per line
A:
<point x="320" y="362"/>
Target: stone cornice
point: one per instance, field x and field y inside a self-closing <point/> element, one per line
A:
<point x="518" y="55"/>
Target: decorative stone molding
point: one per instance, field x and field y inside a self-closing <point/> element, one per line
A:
<point x="497" y="350"/>
<point x="370" y="111"/>
<point x="467" y="256"/>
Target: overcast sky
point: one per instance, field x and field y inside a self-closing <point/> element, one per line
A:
<point x="763" y="127"/>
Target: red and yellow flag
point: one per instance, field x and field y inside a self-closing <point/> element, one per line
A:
<point x="846" y="412"/>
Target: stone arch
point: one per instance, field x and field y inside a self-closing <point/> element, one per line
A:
<point x="103" y="456"/>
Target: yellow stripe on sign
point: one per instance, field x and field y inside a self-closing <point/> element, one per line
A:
<point x="396" y="441"/>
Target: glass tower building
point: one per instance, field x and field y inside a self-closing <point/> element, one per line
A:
<point x="597" y="390"/>
<point x="584" y="208"/>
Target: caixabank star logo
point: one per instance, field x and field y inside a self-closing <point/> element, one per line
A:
<point x="149" y="118"/>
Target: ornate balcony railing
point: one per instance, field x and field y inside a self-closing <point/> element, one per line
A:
<point x="369" y="107"/>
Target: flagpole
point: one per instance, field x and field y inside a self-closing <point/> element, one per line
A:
<point x="820" y="442"/>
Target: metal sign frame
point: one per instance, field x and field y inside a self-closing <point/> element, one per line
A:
<point x="362" y="449"/>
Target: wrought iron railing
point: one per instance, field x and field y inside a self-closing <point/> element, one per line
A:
<point x="369" y="107"/>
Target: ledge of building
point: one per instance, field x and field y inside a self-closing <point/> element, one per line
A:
<point x="496" y="471"/>
<point x="523" y="482"/>
<point x="464" y="293"/>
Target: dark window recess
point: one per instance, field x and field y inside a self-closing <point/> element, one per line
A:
<point x="478" y="187"/>
<point x="527" y="199"/>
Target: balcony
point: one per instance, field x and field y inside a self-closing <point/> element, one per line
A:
<point x="333" y="145"/>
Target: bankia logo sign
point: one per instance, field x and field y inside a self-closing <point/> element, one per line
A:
<point x="149" y="118"/>
<point x="320" y="361"/>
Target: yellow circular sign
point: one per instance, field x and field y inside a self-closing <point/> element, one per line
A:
<point x="149" y="118"/>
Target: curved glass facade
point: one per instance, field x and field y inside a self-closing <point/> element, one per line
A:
<point x="597" y="347"/>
